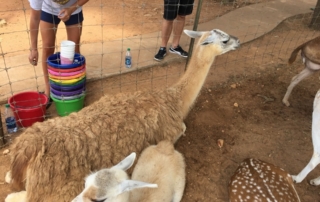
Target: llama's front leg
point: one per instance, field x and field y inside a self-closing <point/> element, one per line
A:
<point x="17" y="197"/>
<point x="8" y="177"/>
<point x="315" y="160"/>
<point x="184" y="127"/>
<point x="295" y="80"/>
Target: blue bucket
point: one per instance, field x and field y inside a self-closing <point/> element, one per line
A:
<point x="54" y="61"/>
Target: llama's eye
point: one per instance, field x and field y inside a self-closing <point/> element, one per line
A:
<point x="96" y="200"/>
<point x="225" y="42"/>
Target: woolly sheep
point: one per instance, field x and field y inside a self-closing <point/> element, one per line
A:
<point x="50" y="159"/>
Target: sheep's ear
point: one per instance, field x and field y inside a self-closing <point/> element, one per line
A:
<point x="193" y="34"/>
<point x="126" y="163"/>
<point x="128" y="185"/>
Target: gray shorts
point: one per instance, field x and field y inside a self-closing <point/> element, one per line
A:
<point x="172" y="8"/>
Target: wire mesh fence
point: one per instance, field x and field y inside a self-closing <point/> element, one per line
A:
<point x="109" y="28"/>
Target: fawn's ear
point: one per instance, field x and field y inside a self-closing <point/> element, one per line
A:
<point x="128" y="185"/>
<point x="126" y="163"/>
<point x="193" y="34"/>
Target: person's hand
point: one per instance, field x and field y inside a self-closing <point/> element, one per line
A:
<point x="65" y="14"/>
<point x="33" y="57"/>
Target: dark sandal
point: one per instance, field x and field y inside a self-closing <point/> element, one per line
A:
<point x="49" y="103"/>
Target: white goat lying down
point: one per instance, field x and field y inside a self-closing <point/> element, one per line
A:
<point x="111" y="184"/>
<point x="315" y="159"/>
<point x="50" y="159"/>
<point x="160" y="164"/>
<point x="310" y="53"/>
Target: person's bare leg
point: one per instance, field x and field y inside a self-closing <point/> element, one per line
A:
<point x="177" y="30"/>
<point x="74" y="34"/>
<point x="166" y="32"/>
<point x="48" y="34"/>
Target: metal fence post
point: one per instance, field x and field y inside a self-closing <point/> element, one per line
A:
<point x="195" y="27"/>
<point x="2" y="140"/>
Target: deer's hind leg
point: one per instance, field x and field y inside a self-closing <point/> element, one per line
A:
<point x="295" y="80"/>
<point x="315" y="160"/>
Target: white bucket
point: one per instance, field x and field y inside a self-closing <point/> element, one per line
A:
<point x="67" y="50"/>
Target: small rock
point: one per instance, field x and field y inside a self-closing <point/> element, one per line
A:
<point x="209" y="90"/>
<point x="220" y="143"/>
<point x="5" y="152"/>
<point x="3" y="22"/>
<point x="233" y="85"/>
<point x="236" y="104"/>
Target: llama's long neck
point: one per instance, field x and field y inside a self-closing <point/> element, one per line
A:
<point x="192" y="81"/>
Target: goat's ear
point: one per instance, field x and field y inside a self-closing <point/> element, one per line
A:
<point x="126" y="163"/>
<point x="128" y="185"/>
<point x="193" y="34"/>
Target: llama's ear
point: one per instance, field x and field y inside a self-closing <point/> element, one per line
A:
<point x="128" y="185"/>
<point x="193" y="34"/>
<point x="126" y="163"/>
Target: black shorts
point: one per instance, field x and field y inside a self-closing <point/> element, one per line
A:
<point x="74" y="19"/>
<point x="172" y="8"/>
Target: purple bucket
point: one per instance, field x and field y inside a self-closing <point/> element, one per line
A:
<point x="66" y="93"/>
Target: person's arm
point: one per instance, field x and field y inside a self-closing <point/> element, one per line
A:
<point x="34" y="32"/>
<point x="65" y="13"/>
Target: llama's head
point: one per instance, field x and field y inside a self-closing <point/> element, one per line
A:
<point x="218" y="41"/>
<point x="108" y="184"/>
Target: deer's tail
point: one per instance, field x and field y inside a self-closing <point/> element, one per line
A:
<point x="294" y="54"/>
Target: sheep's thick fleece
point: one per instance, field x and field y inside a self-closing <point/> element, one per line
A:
<point x="52" y="158"/>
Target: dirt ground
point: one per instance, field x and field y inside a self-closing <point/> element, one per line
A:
<point x="258" y="128"/>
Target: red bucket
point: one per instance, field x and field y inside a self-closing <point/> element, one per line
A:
<point x="28" y="107"/>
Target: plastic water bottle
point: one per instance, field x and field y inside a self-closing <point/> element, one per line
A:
<point x="128" y="58"/>
<point x="10" y="120"/>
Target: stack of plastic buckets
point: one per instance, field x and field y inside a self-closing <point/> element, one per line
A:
<point x="67" y="83"/>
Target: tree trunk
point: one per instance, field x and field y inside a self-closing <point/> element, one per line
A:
<point x="315" y="21"/>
